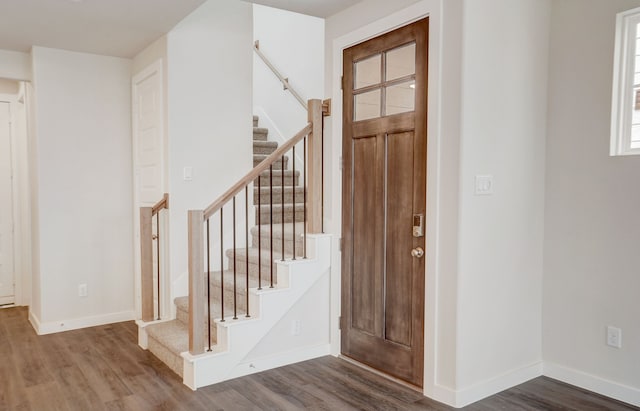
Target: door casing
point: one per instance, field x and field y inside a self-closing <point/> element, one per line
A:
<point x="154" y="74"/>
<point x="437" y="177"/>
<point x="394" y="124"/>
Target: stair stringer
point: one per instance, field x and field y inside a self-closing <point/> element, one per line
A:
<point x="237" y="338"/>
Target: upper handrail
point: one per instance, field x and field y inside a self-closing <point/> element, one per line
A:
<point x="256" y="171"/>
<point x="283" y="80"/>
<point x="164" y="203"/>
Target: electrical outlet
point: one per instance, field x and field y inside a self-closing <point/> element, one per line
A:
<point x="82" y="290"/>
<point x="614" y="337"/>
<point x="295" y="327"/>
<point x="484" y="185"/>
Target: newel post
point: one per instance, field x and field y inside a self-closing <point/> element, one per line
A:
<point x="314" y="169"/>
<point x="196" y="281"/>
<point x="146" y="262"/>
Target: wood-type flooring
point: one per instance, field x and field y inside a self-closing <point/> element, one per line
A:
<point x="102" y="368"/>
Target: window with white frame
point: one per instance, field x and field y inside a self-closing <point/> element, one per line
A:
<point x="625" y="117"/>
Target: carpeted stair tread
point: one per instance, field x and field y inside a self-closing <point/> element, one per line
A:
<point x="266" y="229"/>
<point x="260" y="133"/>
<point x="265" y="237"/>
<point x="277" y="165"/>
<point x="253" y="256"/>
<point x="265" y="213"/>
<point x="266" y="197"/>
<point x="264" y="147"/>
<point x="290" y="178"/>
<point x="174" y="335"/>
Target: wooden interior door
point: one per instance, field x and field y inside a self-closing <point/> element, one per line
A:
<point x="384" y="200"/>
<point x="149" y="171"/>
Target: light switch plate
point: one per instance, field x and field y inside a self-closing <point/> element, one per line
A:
<point x="484" y="185"/>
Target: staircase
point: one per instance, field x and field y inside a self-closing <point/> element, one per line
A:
<point x="169" y="340"/>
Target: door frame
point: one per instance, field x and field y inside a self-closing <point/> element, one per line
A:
<point x="20" y="197"/>
<point x="413" y="13"/>
<point x="166" y="307"/>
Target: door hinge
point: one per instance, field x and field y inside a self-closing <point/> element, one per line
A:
<point x="341" y="82"/>
<point x="340" y="323"/>
<point x="341" y="163"/>
<point x="341" y="244"/>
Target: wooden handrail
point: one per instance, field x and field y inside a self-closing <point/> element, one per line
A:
<point x="283" y="80"/>
<point x="255" y="173"/>
<point x="164" y="203"/>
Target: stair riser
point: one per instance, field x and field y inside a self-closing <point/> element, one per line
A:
<point x="253" y="266"/>
<point x="265" y="217"/>
<point x="259" y="135"/>
<point x="265" y="198"/>
<point x="173" y="361"/>
<point x="263" y="149"/>
<point x="265" y="243"/>
<point x="277" y="180"/>
<point x="276" y="166"/>
<point x="182" y="314"/>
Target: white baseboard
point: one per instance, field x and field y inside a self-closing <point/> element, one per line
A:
<point x="495" y="385"/>
<point x="8" y="300"/>
<point x="278" y="360"/>
<point x="593" y="383"/>
<point x="441" y="394"/>
<point x="76" y="323"/>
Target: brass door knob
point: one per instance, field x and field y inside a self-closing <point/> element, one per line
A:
<point x="417" y="252"/>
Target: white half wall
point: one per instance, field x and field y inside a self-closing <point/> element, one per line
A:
<point x="294" y="43"/>
<point x="592" y="229"/>
<point x="210" y="128"/>
<point x="82" y="156"/>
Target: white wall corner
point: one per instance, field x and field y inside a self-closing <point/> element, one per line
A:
<point x="484" y="389"/>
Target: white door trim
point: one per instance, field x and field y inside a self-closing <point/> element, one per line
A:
<point x="20" y="200"/>
<point x="155" y="68"/>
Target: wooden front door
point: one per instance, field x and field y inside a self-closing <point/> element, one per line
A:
<point x="384" y="201"/>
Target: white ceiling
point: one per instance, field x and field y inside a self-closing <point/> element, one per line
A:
<point x="318" y="8"/>
<point x="120" y="28"/>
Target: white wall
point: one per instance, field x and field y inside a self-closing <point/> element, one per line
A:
<point x="311" y="313"/>
<point x="504" y="98"/>
<point x="15" y="65"/>
<point x="83" y="201"/>
<point x="210" y="128"/>
<point x="294" y="44"/>
<point x="592" y="229"/>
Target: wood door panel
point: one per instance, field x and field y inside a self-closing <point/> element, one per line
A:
<point x="367" y="240"/>
<point x="399" y="240"/>
<point x="384" y="185"/>
<point x="385" y="125"/>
